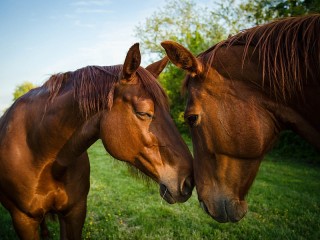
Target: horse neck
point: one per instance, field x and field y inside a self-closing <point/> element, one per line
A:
<point x="296" y="112"/>
<point x="81" y="139"/>
<point x="61" y="131"/>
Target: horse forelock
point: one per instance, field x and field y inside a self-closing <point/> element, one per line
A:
<point x="288" y="49"/>
<point x="93" y="87"/>
<point x="153" y="88"/>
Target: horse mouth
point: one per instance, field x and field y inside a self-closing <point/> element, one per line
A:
<point x="227" y="212"/>
<point x="204" y="208"/>
<point x="221" y="218"/>
<point x="166" y="195"/>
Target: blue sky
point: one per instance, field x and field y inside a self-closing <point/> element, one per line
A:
<point x="43" y="37"/>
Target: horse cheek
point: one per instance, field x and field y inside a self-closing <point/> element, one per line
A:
<point x="116" y="137"/>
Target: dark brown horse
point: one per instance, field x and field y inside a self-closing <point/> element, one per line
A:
<point x="44" y="135"/>
<point x="242" y="93"/>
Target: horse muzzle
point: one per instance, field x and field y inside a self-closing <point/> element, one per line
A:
<point x="180" y="195"/>
<point x="225" y="210"/>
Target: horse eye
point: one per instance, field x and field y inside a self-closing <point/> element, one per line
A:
<point x="192" y="120"/>
<point x="144" y="115"/>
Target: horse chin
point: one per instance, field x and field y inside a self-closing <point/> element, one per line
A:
<point x="226" y="211"/>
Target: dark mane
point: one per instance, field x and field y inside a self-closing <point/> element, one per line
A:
<point x="93" y="87"/>
<point x="289" y="52"/>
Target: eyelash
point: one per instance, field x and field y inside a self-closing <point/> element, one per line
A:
<point x="145" y="114"/>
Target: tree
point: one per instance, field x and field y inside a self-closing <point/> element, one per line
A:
<point x="183" y="21"/>
<point x="22" y="89"/>
<point x="261" y="11"/>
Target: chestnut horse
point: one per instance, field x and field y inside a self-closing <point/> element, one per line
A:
<point x="44" y="135"/>
<point x="242" y="93"/>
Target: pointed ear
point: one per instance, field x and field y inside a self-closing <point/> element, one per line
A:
<point x="132" y="62"/>
<point x="156" y="68"/>
<point x="182" y="57"/>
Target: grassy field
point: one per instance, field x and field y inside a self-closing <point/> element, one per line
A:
<point x="284" y="203"/>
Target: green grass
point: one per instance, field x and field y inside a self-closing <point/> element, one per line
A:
<point x="284" y="203"/>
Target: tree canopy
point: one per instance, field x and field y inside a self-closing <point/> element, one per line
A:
<point x="259" y="11"/>
<point x="22" y="89"/>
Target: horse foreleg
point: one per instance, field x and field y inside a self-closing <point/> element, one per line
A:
<point x="72" y="223"/>
<point x="25" y="226"/>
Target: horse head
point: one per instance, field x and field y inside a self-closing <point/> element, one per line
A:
<point x="138" y="129"/>
<point x="230" y="132"/>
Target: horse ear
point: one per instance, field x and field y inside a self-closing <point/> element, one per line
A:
<point x="156" y="68"/>
<point x="132" y="62"/>
<point x="182" y="57"/>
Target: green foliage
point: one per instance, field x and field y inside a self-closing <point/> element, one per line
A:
<point x="171" y="81"/>
<point x="283" y="204"/>
<point x="231" y="15"/>
<point x="291" y="145"/>
<point x="265" y="10"/>
<point x="22" y="89"/>
<point x="182" y="21"/>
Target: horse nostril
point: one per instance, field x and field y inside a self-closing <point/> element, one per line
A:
<point x="192" y="120"/>
<point x="187" y="186"/>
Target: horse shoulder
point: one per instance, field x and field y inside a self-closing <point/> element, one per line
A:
<point x="26" y="180"/>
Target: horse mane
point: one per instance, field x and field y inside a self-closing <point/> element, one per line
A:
<point x="288" y="49"/>
<point x="93" y="87"/>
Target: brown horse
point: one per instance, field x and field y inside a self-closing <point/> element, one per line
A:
<point x="241" y="93"/>
<point x="44" y="135"/>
